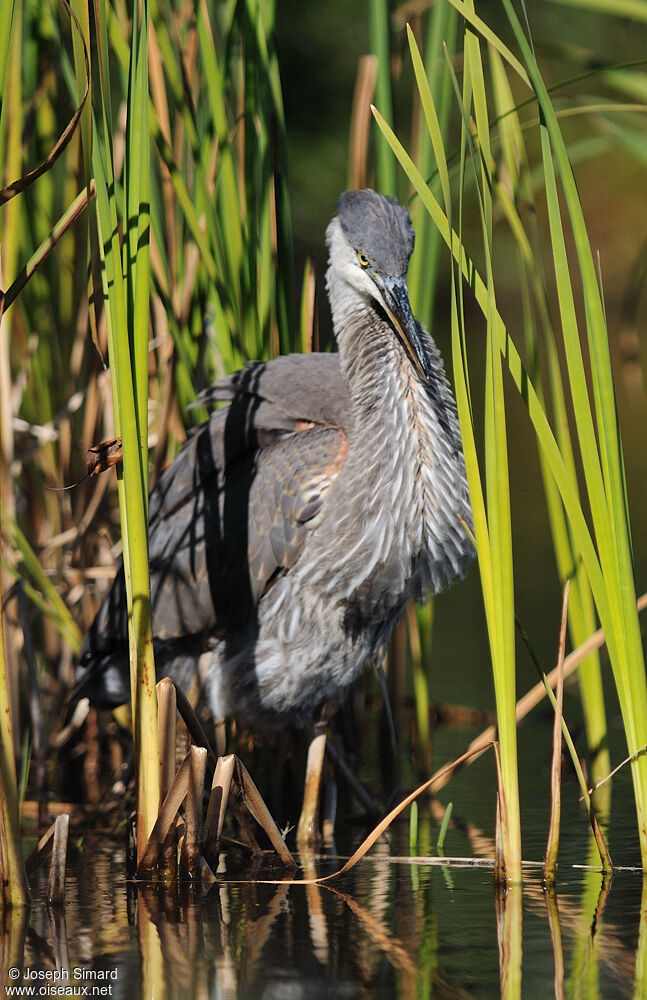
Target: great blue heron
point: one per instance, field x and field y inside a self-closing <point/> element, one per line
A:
<point x="293" y="527"/>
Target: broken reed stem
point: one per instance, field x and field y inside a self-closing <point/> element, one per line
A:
<point x="190" y="853"/>
<point x="552" y="842"/>
<point x="160" y="852"/>
<point x="54" y="843"/>
<point x="56" y="880"/>
<point x="220" y="787"/>
<point x="168" y="811"/>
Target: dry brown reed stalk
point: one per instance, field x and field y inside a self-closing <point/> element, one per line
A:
<point x="166" y="725"/>
<point x="188" y="784"/>
<point x="361" y="119"/>
<point x="308" y="317"/>
<point x="552" y="841"/>
<point x="166" y="816"/>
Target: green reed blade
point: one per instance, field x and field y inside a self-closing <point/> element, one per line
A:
<point x="380" y="46"/>
<point x="126" y="303"/>
<point x="466" y="9"/>
<point x="602" y="460"/>
<point x="435" y="90"/>
<point x="6" y="23"/>
<point x="581" y="614"/>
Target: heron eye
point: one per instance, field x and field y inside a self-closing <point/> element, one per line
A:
<point x="364" y="261"/>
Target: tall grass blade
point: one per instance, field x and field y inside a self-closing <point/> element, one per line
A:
<point x="515" y="194"/>
<point x="602" y="455"/>
<point x="6" y="23"/>
<point x="435" y="90"/>
<point x="380" y="46"/>
<point x="126" y="291"/>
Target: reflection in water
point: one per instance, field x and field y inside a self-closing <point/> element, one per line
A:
<point x="387" y="930"/>
<point x="508" y="902"/>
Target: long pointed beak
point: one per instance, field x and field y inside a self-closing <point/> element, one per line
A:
<point x="395" y="299"/>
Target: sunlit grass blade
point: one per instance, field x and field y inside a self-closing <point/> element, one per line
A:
<point x="6" y="22"/>
<point x="420" y="622"/>
<point x="435" y="90"/>
<point x="380" y="46"/>
<point x="602" y="457"/>
<point x="126" y="294"/>
<point x="466" y="9"/>
<point x="515" y="193"/>
<point x="492" y="524"/>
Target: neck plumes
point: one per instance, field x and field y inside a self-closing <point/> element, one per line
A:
<point x="403" y="491"/>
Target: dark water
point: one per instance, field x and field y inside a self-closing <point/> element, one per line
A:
<point x="400" y="924"/>
<point x="390" y="929"/>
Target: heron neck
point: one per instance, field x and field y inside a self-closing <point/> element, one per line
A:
<point x="371" y="356"/>
<point x="403" y="491"/>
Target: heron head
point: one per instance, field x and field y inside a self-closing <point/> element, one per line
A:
<point x="371" y="240"/>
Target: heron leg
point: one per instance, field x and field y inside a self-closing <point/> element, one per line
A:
<point x="307" y="830"/>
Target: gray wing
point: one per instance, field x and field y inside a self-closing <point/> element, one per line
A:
<point x="232" y="512"/>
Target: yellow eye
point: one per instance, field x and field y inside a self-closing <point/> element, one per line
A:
<point x="364" y="261"/>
